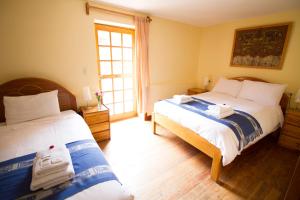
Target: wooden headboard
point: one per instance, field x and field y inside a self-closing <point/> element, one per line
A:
<point x="284" y="99"/>
<point x="30" y="86"/>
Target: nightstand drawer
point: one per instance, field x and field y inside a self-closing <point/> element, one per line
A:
<point x="289" y="142"/>
<point x="291" y="130"/>
<point x="95" y="118"/>
<point x="99" y="127"/>
<point x="103" y="135"/>
<point x="293" y="119"/>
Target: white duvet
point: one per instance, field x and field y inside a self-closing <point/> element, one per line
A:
<point x="269" y="118"/>
<point x="29" y="137"/>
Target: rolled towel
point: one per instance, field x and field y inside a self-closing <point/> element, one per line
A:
<point x="179" y="99"/>
<point x="51" y="161"/>
<point x="220" y="108"/>
<point x="220" y="115"/>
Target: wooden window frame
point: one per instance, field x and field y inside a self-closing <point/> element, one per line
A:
<point x="121" y="30"/>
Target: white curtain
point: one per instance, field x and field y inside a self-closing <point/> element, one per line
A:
<point x="142" y="63"/>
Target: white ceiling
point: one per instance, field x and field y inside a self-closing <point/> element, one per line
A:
<point x="205" y="12"/>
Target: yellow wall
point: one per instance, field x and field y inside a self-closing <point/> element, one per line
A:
<point x="55" y="39"/>
<point x="216" y="46"/>
<point x="173" y="57"/>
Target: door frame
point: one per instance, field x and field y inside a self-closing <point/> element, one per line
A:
<point x="110" y="28"/>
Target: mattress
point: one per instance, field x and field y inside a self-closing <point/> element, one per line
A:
<point x="270" y="118"/>
<point x="32" y="136"/>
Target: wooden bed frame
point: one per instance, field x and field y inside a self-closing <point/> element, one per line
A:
<point x="196" y="140"/>
<point x="30" y="86"/>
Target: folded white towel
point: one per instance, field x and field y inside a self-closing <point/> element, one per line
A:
<point x="179" y="99"/>
<point x="51" y="161"/>
<point x="220" y="108"/>
<point x="220" y="115"/>
<point x="54" y="178"/>
<point x="57" y="181"/>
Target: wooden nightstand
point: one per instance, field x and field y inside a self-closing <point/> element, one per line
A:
<point x="290" y="133"/>
<point x="98" y="121"/>
<point x="192" y="91"/>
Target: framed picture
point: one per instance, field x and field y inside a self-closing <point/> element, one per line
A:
<point x="261" y="46"/>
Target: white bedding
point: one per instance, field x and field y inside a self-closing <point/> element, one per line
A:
<point x="29" y="137"/>
<point x="269" y="118"/>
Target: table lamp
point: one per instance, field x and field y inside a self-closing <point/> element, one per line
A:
<point x="87" y="94"/>
<point x="206" y="82"/>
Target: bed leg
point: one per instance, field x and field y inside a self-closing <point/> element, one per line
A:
<point x="216" y="166"/>
<point x="153" y="124"/>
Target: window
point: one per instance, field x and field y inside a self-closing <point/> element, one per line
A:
<point x="115" y="47"/>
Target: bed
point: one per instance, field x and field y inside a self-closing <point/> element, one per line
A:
<point x="68" y="127"/>
<point x="212" y="138"/>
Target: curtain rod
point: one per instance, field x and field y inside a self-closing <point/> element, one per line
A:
<point x="90" y="5"/>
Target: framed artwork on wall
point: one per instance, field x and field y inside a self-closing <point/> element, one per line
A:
<point x="260" y="46"/>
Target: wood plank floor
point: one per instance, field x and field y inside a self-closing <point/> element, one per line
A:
<point x="165" y="167"/>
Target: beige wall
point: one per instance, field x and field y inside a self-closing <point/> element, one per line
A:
<point x="55" y="39"/>
<point x="216" y="46"/>
<point x="173" y="58"/>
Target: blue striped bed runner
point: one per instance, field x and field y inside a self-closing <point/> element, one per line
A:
<point x="89" y="164"/>
<point x="245" y="127"/>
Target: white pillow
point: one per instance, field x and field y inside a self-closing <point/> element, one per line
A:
<point x="267" y="94"/>
<point x="24" y="108"/>
<point x="231" y="87"/>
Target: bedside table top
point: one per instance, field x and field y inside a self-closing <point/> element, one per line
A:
<point x="93" y="109"/>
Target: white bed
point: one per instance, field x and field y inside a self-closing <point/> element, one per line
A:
<point x="269" y="117"/>
<point x="31" y="136"/>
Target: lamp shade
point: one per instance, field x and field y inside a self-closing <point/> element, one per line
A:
<point x="86" y="93"/>
<point x="205" y="81"/>
<point x="297" y="97"/>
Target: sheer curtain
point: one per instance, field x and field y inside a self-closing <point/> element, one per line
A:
<point x="142" y="65"/>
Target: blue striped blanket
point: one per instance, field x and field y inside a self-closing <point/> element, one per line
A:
<point x="89" y="165"/>
<point x="245" y="127"/>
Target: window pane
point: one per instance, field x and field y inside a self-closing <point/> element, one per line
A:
<point x="118" y="108"/>
<point x="106" y="84"/>
<point x="127" y="67"/>
<point x="115" y="39"/>
<point x="127" y="53"/>
<point x="116" y="53"/>
<point x="105" y="68"/>
<point x="118" y="96"/>
<point x="107" y="97"/>
<point x="127" y="83"/>
<point x="128" y="95"/>
<point x="127" y="40"/>
<point x="117" y="67"/>
<point x="103" y="38"/>
<point x="118" y="84"/>
<point x="128" y="106"/>
<point x="111" y="108"/>
<point x="104" y="53"/>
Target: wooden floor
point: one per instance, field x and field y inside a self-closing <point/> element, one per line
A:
<point x="165" y="167"/>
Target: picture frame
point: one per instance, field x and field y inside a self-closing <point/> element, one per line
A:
<point x="260" y="46"/>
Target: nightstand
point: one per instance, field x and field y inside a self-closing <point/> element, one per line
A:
<point x="290" y="133"/>
<point x="192" y="91"/>
<point x="98" y="121"/>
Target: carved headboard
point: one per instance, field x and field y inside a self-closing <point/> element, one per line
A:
<point x="284" y="99"/>
<point x="30" y="86"/>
